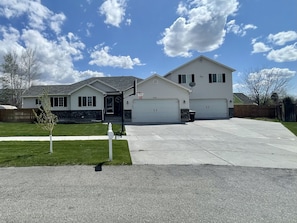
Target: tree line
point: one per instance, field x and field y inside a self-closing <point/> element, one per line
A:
<point x="17" y="74"/>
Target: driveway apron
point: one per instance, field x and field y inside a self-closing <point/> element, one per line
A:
<point x="236" y="142"/>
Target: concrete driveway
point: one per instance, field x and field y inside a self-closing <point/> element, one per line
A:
<point x="236" y="142"/>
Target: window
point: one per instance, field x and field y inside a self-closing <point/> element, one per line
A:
<point x="182" y="78"/>
<point x="37" y="101"/>
<point x="58" y="101"/>
<point x="89" y="101"/>
<point x="220" y="78"/>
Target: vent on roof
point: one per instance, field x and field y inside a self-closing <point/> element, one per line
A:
<point x="155" y="81"/>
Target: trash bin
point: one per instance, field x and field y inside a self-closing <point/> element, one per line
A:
<point x="192" y="115"/>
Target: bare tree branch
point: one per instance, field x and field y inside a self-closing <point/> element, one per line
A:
<point x="262" y="83"/>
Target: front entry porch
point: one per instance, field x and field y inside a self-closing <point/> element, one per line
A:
<point x="113" y="108"/>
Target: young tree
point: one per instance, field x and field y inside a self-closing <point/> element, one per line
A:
<point x="45" y="118"/>
<point x="261" y="84"/>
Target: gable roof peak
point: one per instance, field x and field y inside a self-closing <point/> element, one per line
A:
<point x="200" y="58"/>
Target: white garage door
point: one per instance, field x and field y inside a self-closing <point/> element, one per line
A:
<point x="147" y="110"/>
<point x="210" y="109"/>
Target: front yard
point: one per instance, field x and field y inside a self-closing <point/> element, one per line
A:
<point x="292" y="126"/>
<point x="29" y="129"/>
<point x="65" y="152"/>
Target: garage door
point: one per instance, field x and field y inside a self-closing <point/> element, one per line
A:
<point x="210" y="109"/>
<point x="151" y="111"/>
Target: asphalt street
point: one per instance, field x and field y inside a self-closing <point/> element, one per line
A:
<point x="148" y="193"/>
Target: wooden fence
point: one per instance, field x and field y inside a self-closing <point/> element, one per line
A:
<point x="254" y="111"/>
<point x="17" y="115"/>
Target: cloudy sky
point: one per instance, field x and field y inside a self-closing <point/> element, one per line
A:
<point x="78" y="39"/>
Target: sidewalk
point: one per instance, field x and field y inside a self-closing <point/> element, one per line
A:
<point x="58" y="138"/>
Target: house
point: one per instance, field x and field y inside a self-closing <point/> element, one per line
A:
<point x="202" y="85"/>
<point x="157" y="99"/>
<point x="242" y="99"/>
<point x="211" y="87"/>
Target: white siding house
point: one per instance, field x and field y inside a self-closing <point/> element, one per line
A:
<point x="161" y="100"/>
<point x="202" y="85"/>
<point x="211" y="86"/>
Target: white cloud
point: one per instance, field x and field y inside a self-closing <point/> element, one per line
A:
<point x="282" y="38"/>
<point x="189" y="33"/>
<point x="237" y="87"/>
<point x="55" y="56"/>
<point x="128" y="22"/>
<point x="239" y="30"/>
<point x="216" y="56"/>
<point x="39" y="16"/>
<point x="259" y="47"/>
<point x="101" y="57"/>
<point x="9" y="42"/>
<point x="272" y="73"/>
<point x="114" y="11"/>
<point x="56" y="22"/>
<point x="89" y="73"/>
<point x="285" y="54"/>
<point x="249" y="26"/>
<point x="89" y="26"/>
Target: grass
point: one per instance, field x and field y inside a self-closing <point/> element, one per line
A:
<point x="20" y="154"/>
<point x="29" y="129"/>
<point x="292" y="126"/>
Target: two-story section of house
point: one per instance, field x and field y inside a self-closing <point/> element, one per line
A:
<point x="210" y="82"/>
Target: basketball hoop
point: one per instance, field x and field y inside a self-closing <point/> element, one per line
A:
<point x="140" y="95"/>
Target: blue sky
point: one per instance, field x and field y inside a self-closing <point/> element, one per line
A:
<point x="75" y="40"/>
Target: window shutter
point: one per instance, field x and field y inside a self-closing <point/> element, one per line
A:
<point x="179" y="78"/>
<point x="65" y="101"/>
<point x="52" y="102"/>
<point x="84" y="101"/>
<point x="193" y="77"/>
<point x="224" y="78"/>
<point x="79" y="101"/>
<point x="210" y="78"/>
<point x="94" y="101"/>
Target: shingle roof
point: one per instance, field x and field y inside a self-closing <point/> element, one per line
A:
<point x="243" y="98"/>
<point x="120" y="83"/>
<point x="200" y="58"/>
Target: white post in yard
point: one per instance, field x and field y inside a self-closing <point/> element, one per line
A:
<point x="110" y="137"/>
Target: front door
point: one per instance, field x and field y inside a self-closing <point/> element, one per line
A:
<point x="109" y="105"/>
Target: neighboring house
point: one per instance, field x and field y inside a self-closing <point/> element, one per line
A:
<point x="202" y="85"/>
<point x="211" y="86"/>
<point x="242" y="99"/>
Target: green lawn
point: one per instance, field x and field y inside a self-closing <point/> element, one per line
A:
<point x="29" y="129"/>
<point x="65" y="153"/>
<point x="292" y="126"/>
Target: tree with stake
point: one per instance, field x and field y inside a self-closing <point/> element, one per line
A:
<point x="45" y="118"/>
